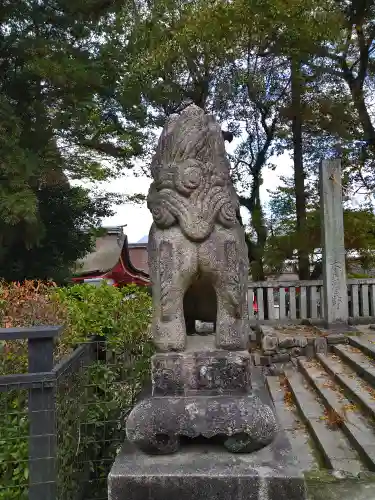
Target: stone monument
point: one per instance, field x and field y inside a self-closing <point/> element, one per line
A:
<point x="202" y="387"/>
<point x="335" y="288"/>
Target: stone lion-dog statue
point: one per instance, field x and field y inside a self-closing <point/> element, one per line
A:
<point x="198" y="260"/>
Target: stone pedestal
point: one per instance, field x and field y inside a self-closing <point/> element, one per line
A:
<point x="204" y="470"/>
<point x="202" y="387"/>
<point x="202" y="391"/>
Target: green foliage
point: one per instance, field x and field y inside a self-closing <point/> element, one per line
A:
<point x="61" y="116"/>
<point x="67" y="217"/>
<point x="358" y="275"/>
<point x="93" y="397"/>
<point x="359" y="233"/>
<point x="60" y="65"/>
<point x="110" y="312"/>
<point x="14" y="428"/>
<point x="89" y="82"/>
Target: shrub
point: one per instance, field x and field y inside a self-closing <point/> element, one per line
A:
<point x="92" y="400"/>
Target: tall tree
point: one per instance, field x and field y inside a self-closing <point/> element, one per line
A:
<point x="297" y="87"/>
<point x="61" y="112"/>
<point x="216" y="67"/>
<point x="256" y="108"/>
<point x="350" y="57"/>
<point x="179" y="57"/>
<point x="67" y="220"/>
<point x="283" y="242"/>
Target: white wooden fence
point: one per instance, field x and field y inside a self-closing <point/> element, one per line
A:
<point x="297" y="300"/>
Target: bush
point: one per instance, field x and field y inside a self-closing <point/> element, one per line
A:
<point x="92" y="399"/>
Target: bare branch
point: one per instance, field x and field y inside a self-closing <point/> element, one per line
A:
<point x="102" y="147"/>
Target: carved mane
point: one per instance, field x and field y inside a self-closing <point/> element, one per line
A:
<point x="192" y="186"/>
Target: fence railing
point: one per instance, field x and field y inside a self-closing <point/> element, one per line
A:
<point x="60" y="424"/>
<point x="40" y="384"/>
<point x="298" y="300"/>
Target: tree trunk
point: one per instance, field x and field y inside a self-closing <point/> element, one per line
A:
<point x="364" y="117"/>
<point x="257" y="265"/>
<point x="255" y="248"/>
<point x="299" y="174"/>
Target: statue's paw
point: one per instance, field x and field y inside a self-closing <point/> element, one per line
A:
<point x="242" y="443"/>
<point x="160" y="444"/>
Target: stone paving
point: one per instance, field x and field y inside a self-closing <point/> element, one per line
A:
<point x="332" y="488"/>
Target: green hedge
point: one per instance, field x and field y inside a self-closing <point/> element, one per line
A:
<point x="93" y="399"/>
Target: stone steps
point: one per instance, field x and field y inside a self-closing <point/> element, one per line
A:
<point x="356" y="389"/>
<point x="335" y="450"/>
<point x="331" y="399"/>
<point x="350" y="420"/>
<point x="364" y="345"/>
<point x="358" y="361"/>
<point x="293" y="426"/>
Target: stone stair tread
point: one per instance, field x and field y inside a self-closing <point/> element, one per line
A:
<point x="363" y="343"/>
<point x="356" y="427"/>
<point x="292" y="425"/>
<point x="357" y="360"/>
<point x="308" y="404"/>
<point x="287" y="415"/>
<point x="356" y="388"/>
<point x="333" y="445"/>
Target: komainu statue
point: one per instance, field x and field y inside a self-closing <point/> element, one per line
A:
<point x="199" y="268"/>
<point x="197" y="253"/>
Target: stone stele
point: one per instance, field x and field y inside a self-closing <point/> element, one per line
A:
<point x="201" y="386"/>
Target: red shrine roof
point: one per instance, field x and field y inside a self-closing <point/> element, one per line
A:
<point x="110" y="260"/>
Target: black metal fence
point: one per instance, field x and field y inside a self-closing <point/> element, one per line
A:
<point x="61" y="425"/>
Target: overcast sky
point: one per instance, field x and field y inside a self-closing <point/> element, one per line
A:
<point x="138" y="219"/>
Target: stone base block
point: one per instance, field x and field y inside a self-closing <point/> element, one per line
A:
<point x="246" y="424"/>
<point x="206" y="472"/>
<point x="201" y="369"/>
<point x="201" y="392"/>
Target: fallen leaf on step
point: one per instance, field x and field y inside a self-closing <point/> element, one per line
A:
<point x="288" y="398"/>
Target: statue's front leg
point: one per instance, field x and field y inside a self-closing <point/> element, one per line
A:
<point x="171" y="271"/>
<point x="169" y="330"/>
<point x="231" y="284"/>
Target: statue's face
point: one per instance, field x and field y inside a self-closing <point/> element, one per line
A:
<point x="191" y="173"/>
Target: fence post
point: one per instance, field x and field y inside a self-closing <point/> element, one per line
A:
<point x="41" y="410"/>
<point x="332" y="220"/>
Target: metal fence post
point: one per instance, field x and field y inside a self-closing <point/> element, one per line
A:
<point x="42" y="418"/>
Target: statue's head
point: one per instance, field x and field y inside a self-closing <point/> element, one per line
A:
<point x="192" y="185"/>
